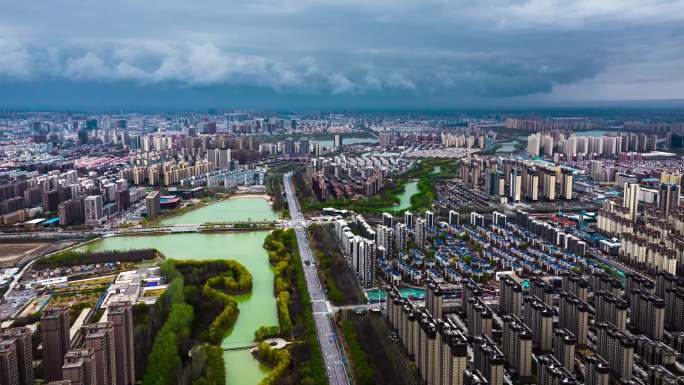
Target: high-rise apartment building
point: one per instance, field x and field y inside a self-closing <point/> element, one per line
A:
<point x="598" y="371"/>
<point x="387" y="219"/>
<point x="437" y="346"/>
<point x="429" y="219"/>
<point x="671" y="289"/>
<point x="71" y="212"/>
<point x="79" y="367"/>
<point x="454" y="218"/>
<point x="420" y="232"/>
<point x="551" y="372"/>
<point x="517" y="345"/>
<point x="479" y="318"/>
<point x="510" y="297"/>
<point x="539" y="318"/>
<point x="152" y="204"/>
<point x="94" y="214"/>
<point x="630" y="199"/>
<point x="600" y="280"/>
<point x="576" y="285"/>
<point x="616" y="348"/>
<point x="434" y="297"/>
<point x="54" y="334"/>
<point x="22" y="338"/>
<point x="489" y="359"/>
<point x="9" y="369"/>
<point x="564" y="348"/>
<point x="574" y="316"/>
<point x="668" y="199"/>
<point x="99" y="338"/>
<point x="634" y="280"/>
<point x="469" y="289"/>
<point x="647" y="313"/>
<point x="542" y="290"/>
<point x="609" y="308"/>
<point x="408" y="219"/>
<point x="121" y="317"/>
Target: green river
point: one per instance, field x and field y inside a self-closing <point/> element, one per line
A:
<point x="410" y="188"/>
<point x="257" y="308"/>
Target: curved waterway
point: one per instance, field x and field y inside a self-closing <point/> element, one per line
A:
<point x="410" y="188"/>
<point x="257" y="308"/>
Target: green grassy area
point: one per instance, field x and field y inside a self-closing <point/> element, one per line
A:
<point x="363" y="372"/>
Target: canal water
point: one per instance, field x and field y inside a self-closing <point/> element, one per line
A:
<point x="257" y="308"/>
<point x="249" y="208"/>
<point x="410" y="188"/>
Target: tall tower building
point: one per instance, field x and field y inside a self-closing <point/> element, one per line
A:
<point x="489" y="359"/>
<point x="617" y="348"/>
<point x="576" y="285"/>
<point x="647" y="313"/>
<point x="609" y="308"/>
<point x="408" y="219"/>
<point x="22" y="338"/>
<point x="387" y="219"/>
<point x="79" y="367"/>
<point x="574" y="316"/>
<point x="54" y="333"/>
<point x="121" y="316"/>
<point x="542" y="290"/>
<point x="99" y="338"/>
<point x="598" y="371"/>
<point x="551" y="372"/>
<point x="454" y="218"/>
<point x="517" y="345"/>
<point x="9" y="370"/>
<point x="510" y="299"/>
<point x="539" y="318"/>
<point x="469" y="290"/>
<point x="564" y="348"/>
<point x="630" y="199"/>
<point x="430" y="219"/>
<point x="479" y="318"/>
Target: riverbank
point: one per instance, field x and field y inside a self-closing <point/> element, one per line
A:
<point x="203" y="202"/>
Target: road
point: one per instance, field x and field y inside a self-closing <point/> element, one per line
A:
<point x="333" y="354"/>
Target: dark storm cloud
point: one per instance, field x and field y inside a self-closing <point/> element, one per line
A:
<point x="340" y="50"/>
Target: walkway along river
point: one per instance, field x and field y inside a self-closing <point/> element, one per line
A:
<point x="257" y="308"/>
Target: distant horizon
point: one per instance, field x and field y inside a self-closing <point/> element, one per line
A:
<point x="570" y="106"/>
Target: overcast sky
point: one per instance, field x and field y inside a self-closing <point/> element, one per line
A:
<point x="338" y="53"/>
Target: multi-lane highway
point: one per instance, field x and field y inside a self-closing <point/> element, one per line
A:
<point x="333" y="354"/>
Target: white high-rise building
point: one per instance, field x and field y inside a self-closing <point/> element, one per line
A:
<point x="93" y="210"/>
<point x="630" y="199"/>
<point x="533" y="144"/>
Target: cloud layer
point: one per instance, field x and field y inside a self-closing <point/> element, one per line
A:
<point x="445" y="50"/>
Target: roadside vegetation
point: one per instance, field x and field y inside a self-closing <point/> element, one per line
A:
<point x="374" y="359"/>
<point x="363" y="372"/>
<point x="75" y="258"/>
<point x="340" y="282"/>
<point x="294" y="316"/>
